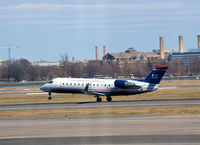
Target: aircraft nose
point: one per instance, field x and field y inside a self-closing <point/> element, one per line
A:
<point x="44" y="88"/>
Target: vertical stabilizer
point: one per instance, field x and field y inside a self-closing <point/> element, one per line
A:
<point x="156" y="75"/>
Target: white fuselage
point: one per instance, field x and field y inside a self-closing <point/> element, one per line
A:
<point x="99" y="87"/>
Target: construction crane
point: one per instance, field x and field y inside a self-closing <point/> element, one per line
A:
<point x="9" y="50"/>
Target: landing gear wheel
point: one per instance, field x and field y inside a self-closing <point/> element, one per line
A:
<point x="49" y="98"/>
<point x="109" y="99"/>
<point x="98" y="99"/>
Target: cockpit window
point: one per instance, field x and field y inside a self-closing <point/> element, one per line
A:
<point x="50" y="82"/>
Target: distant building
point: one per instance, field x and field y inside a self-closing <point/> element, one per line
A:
<point x="194" y="50"/>
<point x="46" y="63"/>
<point x="184" y="58"/>
<point x="166" y="51"/>
<point x="131" y="55"/>
<point x="1" y="61"/>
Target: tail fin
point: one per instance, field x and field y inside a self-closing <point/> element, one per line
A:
<point x="156" y="75"/>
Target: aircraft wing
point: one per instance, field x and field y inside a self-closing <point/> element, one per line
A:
<point x="93" y="93"/>
<point x="85" y="91"/>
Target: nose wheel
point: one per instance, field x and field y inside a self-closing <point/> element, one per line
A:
<point x="49" y="98"/>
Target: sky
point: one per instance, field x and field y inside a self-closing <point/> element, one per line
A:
<point x="46" y="29"/>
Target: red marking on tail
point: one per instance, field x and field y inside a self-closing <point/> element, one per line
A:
<point x="161" y="67"/>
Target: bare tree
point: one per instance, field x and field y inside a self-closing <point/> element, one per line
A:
<point x="194" y="66"/>
<point x="6" y="71"/>
<point x="77" y="69"/>
<point x="65" y="65"/>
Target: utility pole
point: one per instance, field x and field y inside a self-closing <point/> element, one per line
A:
<point x="9" y="55"/>
<point x="9" y="50"/>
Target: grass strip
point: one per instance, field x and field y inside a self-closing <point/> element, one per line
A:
<point x="155" y="110"/>
<point x="180" y="82"/>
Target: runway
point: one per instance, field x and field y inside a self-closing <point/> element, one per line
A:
<point x="109" y="130"/>
<point x="114" y="104"/>
<point x="111" y="140"/>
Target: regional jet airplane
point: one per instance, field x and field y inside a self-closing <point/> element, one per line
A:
<point x="106" y="87"/>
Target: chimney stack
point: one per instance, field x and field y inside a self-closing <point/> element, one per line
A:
<point x="198" y="41"/>
<point x="104" y="50"/>
<point x="96" y="52"/>
<point x="162" y="51"/>
<point x="181" y="44"/>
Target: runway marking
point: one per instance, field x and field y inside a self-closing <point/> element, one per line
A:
<point x="167" y="88"/>
<point x="36" y="93"/>
<point x="18" y="136"/>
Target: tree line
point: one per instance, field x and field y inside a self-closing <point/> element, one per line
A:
<point x="22" y="69"/>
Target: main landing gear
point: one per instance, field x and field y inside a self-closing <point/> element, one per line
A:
<point x="98" y="98"/>
<point x="108" y="98"/>
<point x="49" y="98"/>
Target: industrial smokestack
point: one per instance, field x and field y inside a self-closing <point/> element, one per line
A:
<point x="162" y="53"/>
<point x="96" y="52"/>
<point x="181" y="44"/>
<point x="198" y="37"/>
<point x="104" y="50"/>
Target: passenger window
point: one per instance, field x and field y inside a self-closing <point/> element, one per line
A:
<point x="66" y="83"/>
<point x="50" y="82"/>
<point x="97" y="84"/>
<point x="74" y="84"/>
<point x="93" y="84"/>
<point x="82" y="84"/>
<point x="105" y="85"/>
<point x="63" y="84"/>
<point x="70" y="83"/>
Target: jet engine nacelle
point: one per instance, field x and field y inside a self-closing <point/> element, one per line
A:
<point x="123" y="84"/>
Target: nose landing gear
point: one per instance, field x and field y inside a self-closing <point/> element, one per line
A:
<point x="49" y="98"/>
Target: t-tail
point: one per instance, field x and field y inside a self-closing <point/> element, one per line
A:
<point x="156" y="75"/>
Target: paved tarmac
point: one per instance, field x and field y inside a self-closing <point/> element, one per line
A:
<point x="82" y="105"/>
<point x="151" y="130"/>
<point x="108" y="140"/>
